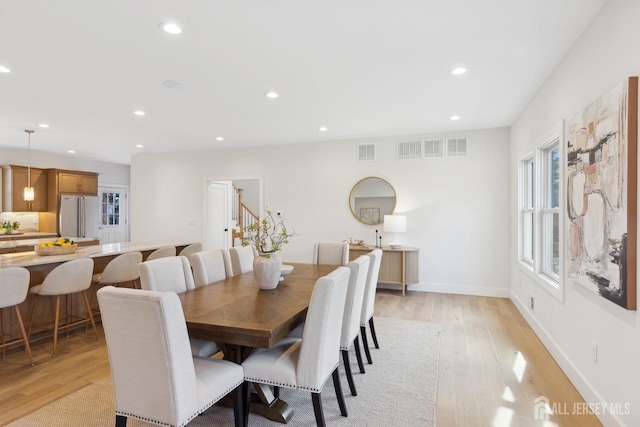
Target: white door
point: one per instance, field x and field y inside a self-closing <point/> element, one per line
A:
<point x="218" y="215"/>
<point x="114" y="218"/>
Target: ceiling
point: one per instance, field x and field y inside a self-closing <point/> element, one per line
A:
<point x="362" y="68"/>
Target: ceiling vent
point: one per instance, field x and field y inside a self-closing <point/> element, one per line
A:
<point x="366" y="152"/>
<point x="409" y="149"/>
<point x="434" y="147"/>
<point x="457" y="147"/>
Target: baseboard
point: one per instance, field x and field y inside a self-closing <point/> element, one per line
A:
<point x="580" y="382"/>
<point x="481" y="291"/>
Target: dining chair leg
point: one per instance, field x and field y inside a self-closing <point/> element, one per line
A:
<point x="317" y="409"/>
<point x="238" y="406"/>
<point x="56" y="323"/>
<point x="246" y="400"/>
<point x="365" y="344"/>
<point x="276" y="391"/>
<point x="373" y="333"/>
<point x="356" y="344"/>
<point x="25" y="338"/>
<point x="347" y="370"/>
<point x="121" y="421"/>
<point x="339" y="395"/>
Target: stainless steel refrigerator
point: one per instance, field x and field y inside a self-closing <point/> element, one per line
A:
<point x="78" y="216"/>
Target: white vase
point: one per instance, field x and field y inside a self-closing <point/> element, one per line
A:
<point x="268" y="269"/>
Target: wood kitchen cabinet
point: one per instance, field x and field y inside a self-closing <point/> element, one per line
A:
<point x="398" y="266"/>
<point x="14" y="180"/>
<point x="74" y="182"/>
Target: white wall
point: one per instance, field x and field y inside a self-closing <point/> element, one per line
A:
<point x="605" y="55"/>
<point x="457" y="208"/>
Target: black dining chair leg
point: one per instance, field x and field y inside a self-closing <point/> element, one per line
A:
<point x="339" y="395"/>
<point x="373" y="333"/>
<point x="347" y="370"/>
<point x="238" y="406"/>
<point x="317" y="409"/>
<point x="276" y="391"/>
<point x="246" y="400"/>
<point x="365" y="344"/>
<point x="121" y="421"/>
<point x="356" y="343"/>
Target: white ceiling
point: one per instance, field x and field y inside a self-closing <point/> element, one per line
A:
<point x="362" y="68"/>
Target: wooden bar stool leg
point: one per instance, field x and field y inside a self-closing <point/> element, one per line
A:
<point x="2" y="334"/>
<point x="33" y="309"/>
<point x="86" y="300"/>
<point x="27" y="346"/>
<point x="55" y="325"/>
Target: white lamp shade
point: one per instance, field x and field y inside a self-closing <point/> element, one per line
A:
<point x="395" y="223"/>
<point x="28" y="194"/>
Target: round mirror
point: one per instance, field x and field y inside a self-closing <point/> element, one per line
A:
<point x="371" y="199"/>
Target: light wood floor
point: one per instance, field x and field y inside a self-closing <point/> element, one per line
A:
<point x="491" y="369"/>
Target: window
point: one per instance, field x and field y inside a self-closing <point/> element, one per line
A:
<point x="110" y="208"/>
<point x="540" y="223"/>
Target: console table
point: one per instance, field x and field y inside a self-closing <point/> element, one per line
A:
<point x="398" y="266"/>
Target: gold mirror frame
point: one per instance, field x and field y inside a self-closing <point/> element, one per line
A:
<point x="377" y="199"/>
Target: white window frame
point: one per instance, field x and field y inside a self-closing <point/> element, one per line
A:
<point x="547" y="279"/>
<point x="526" y="192"/>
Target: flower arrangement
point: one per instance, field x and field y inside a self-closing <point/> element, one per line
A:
<point x="8" y="226"/>
<point x="62" y="241"/>
<point x="268" y="236"/>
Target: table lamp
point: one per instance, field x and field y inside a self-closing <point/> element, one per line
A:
<point x="395" y="224"/>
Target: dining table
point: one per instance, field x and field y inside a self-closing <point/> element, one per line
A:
<point x="241" y="318"/>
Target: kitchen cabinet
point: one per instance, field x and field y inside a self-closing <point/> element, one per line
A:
<point x="74" y="182"/>
<point x="14" y="180"/>
<point x="398" y="266"/>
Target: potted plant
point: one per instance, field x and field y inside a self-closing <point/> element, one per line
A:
<point x="8" y="226"/>
<point x="268" y="236"/>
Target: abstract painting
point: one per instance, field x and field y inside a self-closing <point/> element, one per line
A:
<point x="602" y="195"/>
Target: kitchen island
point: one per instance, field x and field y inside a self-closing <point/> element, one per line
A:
<point x="39" y="266"/>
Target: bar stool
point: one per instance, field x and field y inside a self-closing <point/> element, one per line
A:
<point x="121" y="269"/>
<point x="14" y="285"/>
<point x="66" y="279"/>
<point x="162" y="252"/>
<point x="190" y="249"/>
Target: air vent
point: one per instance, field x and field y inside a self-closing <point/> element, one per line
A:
<point x="457" y="147"/>
<point x="366" y="152"/>
<point x="434" y="147"/>
<point x="409" y="149"/>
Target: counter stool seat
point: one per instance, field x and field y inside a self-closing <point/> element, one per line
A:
<point x="14" y="285"/>
<point x="66" y="279"/>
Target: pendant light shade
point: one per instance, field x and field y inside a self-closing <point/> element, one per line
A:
<point x="29" y="194"/>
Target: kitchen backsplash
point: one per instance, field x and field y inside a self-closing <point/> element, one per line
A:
<point x="29" y="221"/>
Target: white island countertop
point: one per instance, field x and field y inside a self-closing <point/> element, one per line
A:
<point x="24" y="259"/>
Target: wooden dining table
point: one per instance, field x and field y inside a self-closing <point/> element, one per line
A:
<point x="241" y="317"/>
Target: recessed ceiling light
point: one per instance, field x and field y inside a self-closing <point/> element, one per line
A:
<point x="139" y="146"/>
<point x="323" y="129"/>
<point x="170" y="28"/>
<point x="71" y="151"/>
<point x="139" y="113"/>
<point x="4" y="69"/>
<point x="44" y="125"/>
<point x="454" y="117"/>
<point x="458" y="71"/>
<point x="272" y="95"/>
<point x="219" y="138"/>
<point x="174" y="84"/>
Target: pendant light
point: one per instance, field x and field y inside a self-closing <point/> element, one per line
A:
<point x="28" y="190"/>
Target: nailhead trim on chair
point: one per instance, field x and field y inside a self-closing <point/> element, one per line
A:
<point x="315" y="390"/>
<point x="191" y="417"/>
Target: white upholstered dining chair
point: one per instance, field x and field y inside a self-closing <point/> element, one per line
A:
<point x="369" y="302"/>
<point x="155" y="378"/>
<point x="241" y="258"/>
<point x="331" y="253"/>
<point x="174" y="274"/>
<point x="210" y="266"/>
<point x="307" y="363"/>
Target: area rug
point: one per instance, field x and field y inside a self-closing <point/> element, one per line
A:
<point x="399" y="389"/>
